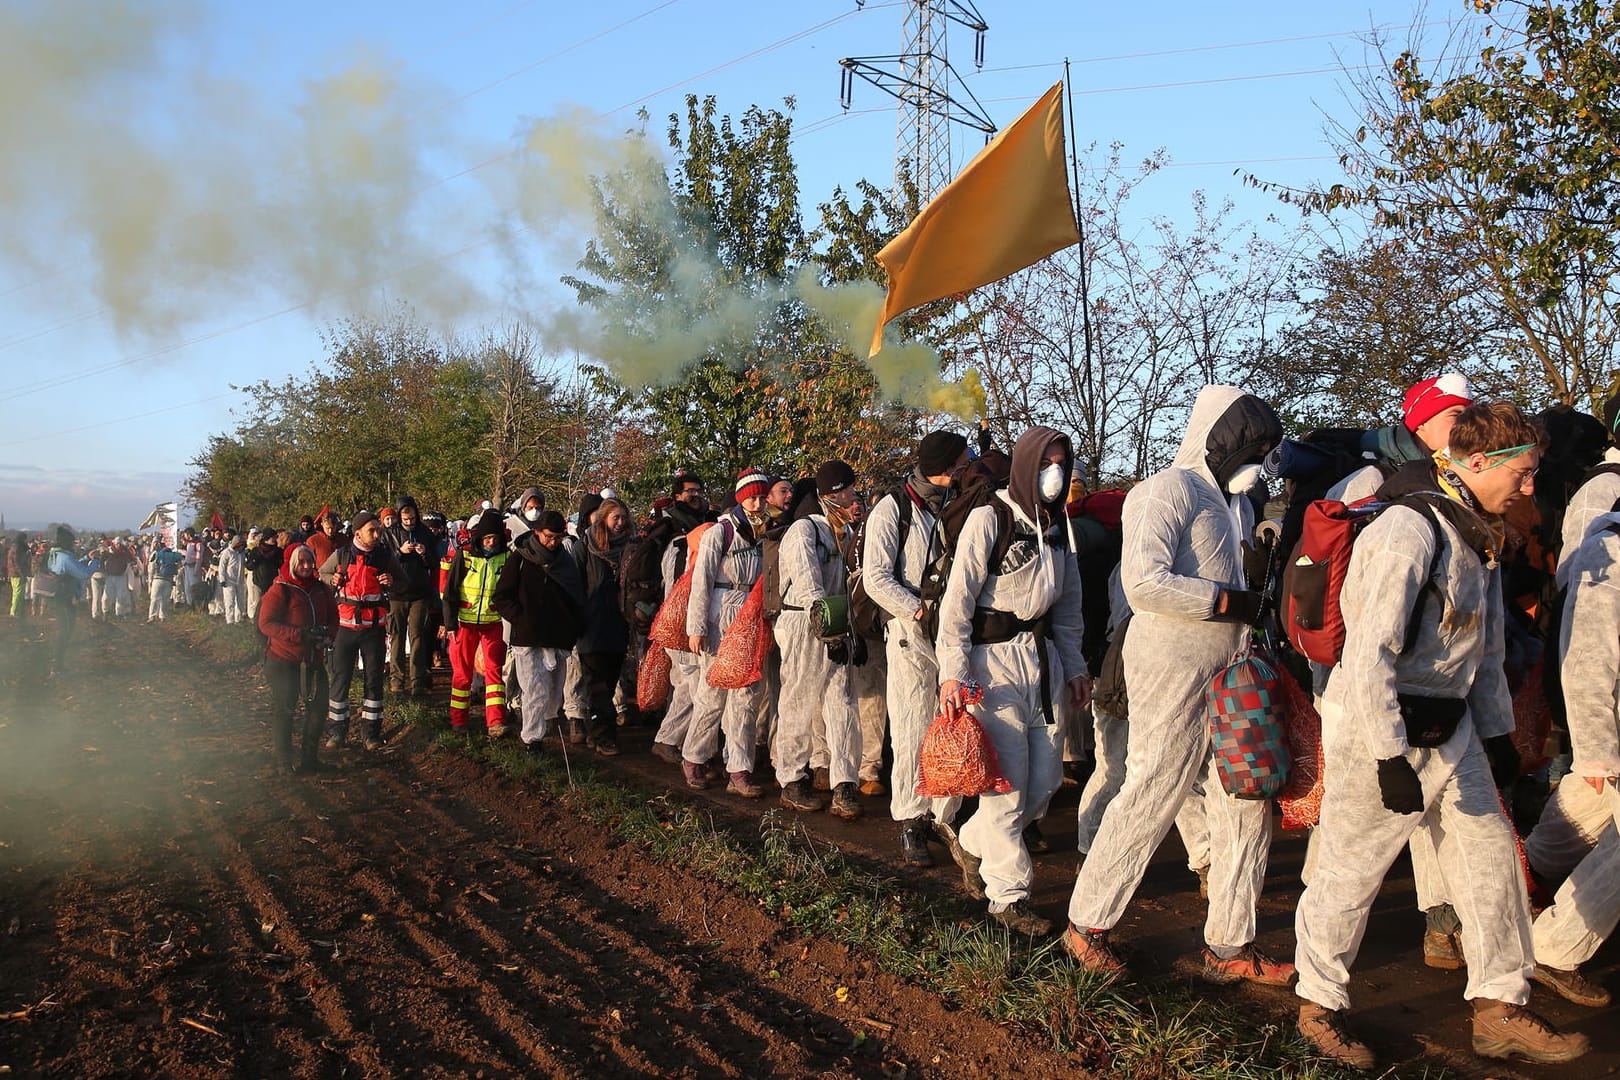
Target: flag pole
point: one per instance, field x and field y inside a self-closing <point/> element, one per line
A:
<point x="1080" y="227"/>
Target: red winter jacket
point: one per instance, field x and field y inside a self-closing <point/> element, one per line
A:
<point x="290" y="605"/>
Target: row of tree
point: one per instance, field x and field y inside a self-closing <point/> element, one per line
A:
<point x="1475" y="229"/>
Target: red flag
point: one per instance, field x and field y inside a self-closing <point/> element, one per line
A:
<point x="326" y="508"/>
<point x="216" y="522"/>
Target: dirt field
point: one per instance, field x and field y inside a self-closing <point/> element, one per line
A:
<point x="171" y="908"/>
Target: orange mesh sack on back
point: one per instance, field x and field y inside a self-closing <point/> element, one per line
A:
<point x="957" y="757"/>
<point x="1301" y="800"/>
<point x="652" y="679"/>
<point x="740" y="660"/>
<point x="669" y="624"/>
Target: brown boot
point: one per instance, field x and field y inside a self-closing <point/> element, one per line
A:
<point x="1443" y="950"/>
<point x="1324" y="1029"/>
<point x="1505" y="1030"/>
<point x="1571" y="985"/>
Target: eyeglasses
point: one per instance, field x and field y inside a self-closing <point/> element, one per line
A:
<point x="1523" y="476"/>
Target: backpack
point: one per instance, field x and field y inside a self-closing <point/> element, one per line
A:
<point x="954" y="515"/>
<point x="641" y="583"/>
<point x="867" y="617"/>
<point x="1329" y="455"/>
<point x="770" y="551"/>
<point x="1313" y="620"/>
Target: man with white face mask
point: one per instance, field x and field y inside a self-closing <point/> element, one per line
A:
<point x="1182" y="572"/>
<point x="1013" y="625"/>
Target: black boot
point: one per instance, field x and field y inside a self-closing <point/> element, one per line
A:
<point x="914" y="842"/>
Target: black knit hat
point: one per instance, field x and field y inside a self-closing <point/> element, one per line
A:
<point x="938" y="452"/>
<point x="833" y="477"/>
<point x="360" y="520"/>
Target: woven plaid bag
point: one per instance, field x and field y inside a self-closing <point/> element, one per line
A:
<point x="1246" y="728"/>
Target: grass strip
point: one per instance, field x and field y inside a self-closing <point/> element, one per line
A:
<point x="1162" y="1028"/>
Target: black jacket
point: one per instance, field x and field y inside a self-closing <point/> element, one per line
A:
<point x="541" y="594"/>
<point x="264" y="563"/>
<point x="420" y="570"/>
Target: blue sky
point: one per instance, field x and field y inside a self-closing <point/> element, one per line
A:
<point x="99" y="413"/>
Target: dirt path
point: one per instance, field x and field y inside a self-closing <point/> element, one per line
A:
<point x="172" y="908"/>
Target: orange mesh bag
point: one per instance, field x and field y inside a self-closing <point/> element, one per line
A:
<point x="1301" y="800"/>
<point x="669" y="624"/>
<point x="957" y="757"/>
<point x="1532" y="720"/>
<point x="739" y="662"/>
<point x="652" y="679"/>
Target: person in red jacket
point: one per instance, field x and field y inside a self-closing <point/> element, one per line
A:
<point x="297" y="616"/>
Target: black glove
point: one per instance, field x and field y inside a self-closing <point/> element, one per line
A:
<point x="1398" y="782"/>
<point x="857" y="653"/>
<point x="1241" y="606"/>
<point x="1504" y="758"/>
<point x="1256" y="564"/>
<point x="838" y="651"/>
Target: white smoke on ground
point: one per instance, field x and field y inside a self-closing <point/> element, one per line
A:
<point x="180" y="191"/>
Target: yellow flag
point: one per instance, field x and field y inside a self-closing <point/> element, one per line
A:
<point x="1009" y="208"/>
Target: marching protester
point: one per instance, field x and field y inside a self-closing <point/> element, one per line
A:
<point x="1010" y="622"/>
<point x="298" y="617"/>
<point x="360" y="572"/>
<point x="62" y="583"/>
<point x="1182" y="572"/>
<point x="411" y="600"/>
<point x="265" y="555"/>
<point x="606" y="636"/>
<point x="473" y="625"/>
<point x="1416" y="722"/>
<point x="540" y="592"/>
<point x="901" y="542"/>
<point x="231" y="574"/>
<point x="166" y="565"/>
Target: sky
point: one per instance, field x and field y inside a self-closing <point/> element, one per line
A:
<point x="191" y="192"/>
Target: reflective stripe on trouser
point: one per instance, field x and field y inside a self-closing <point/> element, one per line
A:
<point x="736" y="712"/>
<point x="1360" y="839"/>
<point x="477" y="647"/>
<point x="683" y="673"/>
<point x="337" y="719"/>
<point x="813" y="687"/>
<point x="913" y="693"/>
<point x="371" y="715"/>
<point x="539" y="674"/>
<point x="1586" y="908"/>
<point x="1167" y="750"/>
<point x="1028" y="752"/>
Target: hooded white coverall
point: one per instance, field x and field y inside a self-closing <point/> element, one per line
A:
<point x="1182" y="547"/>
<point x="683" y="669"/>
<point x="724" y="568"/>
<point x="811" y="568"/>
<point x="892" y="568"/>
<point x="1591" y="500"/>
<point x="1457" y="653"/>
<point x="1586" y="908"/>
<point x="1038" y="575"/>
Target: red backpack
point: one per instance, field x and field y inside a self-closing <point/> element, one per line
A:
<point x="1311" y="614"/>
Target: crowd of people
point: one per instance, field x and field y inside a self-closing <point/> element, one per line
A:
<point x="801" y="634"/>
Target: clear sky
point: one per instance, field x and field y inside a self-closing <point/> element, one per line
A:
<point x="148" y="265"/>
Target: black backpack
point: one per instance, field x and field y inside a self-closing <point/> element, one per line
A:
<point x="1340" y="449"/>
<point x="980" y="483"/>
<point x="641" y="582"/>
<point x="867" y="617"/>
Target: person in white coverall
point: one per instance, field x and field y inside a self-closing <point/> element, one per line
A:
<point x="724" y="568"/>
<point x="1416" y="724"/>
<point x="1581" y="814"/>
<point x="683" y="666"/>
<point x="1600" y="494"/>
<point x="817" y="677"/>
<point x="1182" y="570"/>
<point x="1014" y="626"/>
<point x="900" y="543"/>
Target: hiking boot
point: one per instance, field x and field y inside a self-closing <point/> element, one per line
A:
<point x="821" y="779"/>
<point x="1203" y="882"/>
<point x="914" y="843"/>
<point x="697" y="778"/>
<point x="1250" y="964"/>
<point x="1092" y="951"/>
<point x="621" y="718"/>
<point x="374" y="742"/>
<point x="576" y="731"/>
<point x="1505" y="1030"/>
<point x="874" y="787"/>
<point x="799" y="795"/>
<point x="534" y="749"/>
<point x="1019" y="917"/>
<point x="1034" y="842"/>
<point x="845" y="803"/>
<point x="605" y="747"/>
<point x="1443" y="950"/>
<point x="1324" y="1029"/>
<point x="969" y="864"/>
<point x="742" y="783"/>
<point x="498" y="731"/>
<point x="1571" y="985"/>
<point x="667" y="753"/>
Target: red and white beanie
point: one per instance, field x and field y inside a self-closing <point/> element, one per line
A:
<point x="1427" y="399"/>
<point x="752" y="481"/>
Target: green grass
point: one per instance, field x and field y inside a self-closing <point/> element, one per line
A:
<point x="1160" y="1028"/>
<point x="232" y="646"/>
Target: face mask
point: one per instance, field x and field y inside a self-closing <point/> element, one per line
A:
<point x="1053" y="482"/>
<point x="531" y="515"/>
<point x="1244" y="479"/>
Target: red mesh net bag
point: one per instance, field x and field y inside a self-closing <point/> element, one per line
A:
<point x="740" y="660"/>
<point x="1532" y="720"/>
<point x="957" y="757"/>
<point x="669" y="624"/>
<point x="652" y="679"/>
<point x="1301" y="799"/>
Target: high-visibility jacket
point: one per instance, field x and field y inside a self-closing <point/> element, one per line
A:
<point x="362" y="602"/>
<point x="476" y="590"/>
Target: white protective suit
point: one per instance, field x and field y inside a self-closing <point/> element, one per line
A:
<point x="724" y="569"/>
<point x="892" y="569"/>
<point x="1037" y="576"/>
<point x="1457" y="653"/>
<point x="811" y="567"/>
<point x="1586" y="908"/>
<point x="232" y="592"/>
<point x="1182" y="547"/>
<point x="1592" y="499"/>
<point x="683" y="666"/>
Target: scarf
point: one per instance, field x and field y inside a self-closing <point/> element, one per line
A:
<point x="1455" y="489"/>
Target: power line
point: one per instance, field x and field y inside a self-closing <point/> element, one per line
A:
<point x="34" y="439"/>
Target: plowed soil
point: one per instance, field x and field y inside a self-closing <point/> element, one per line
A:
<point x="172" y="907"/>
